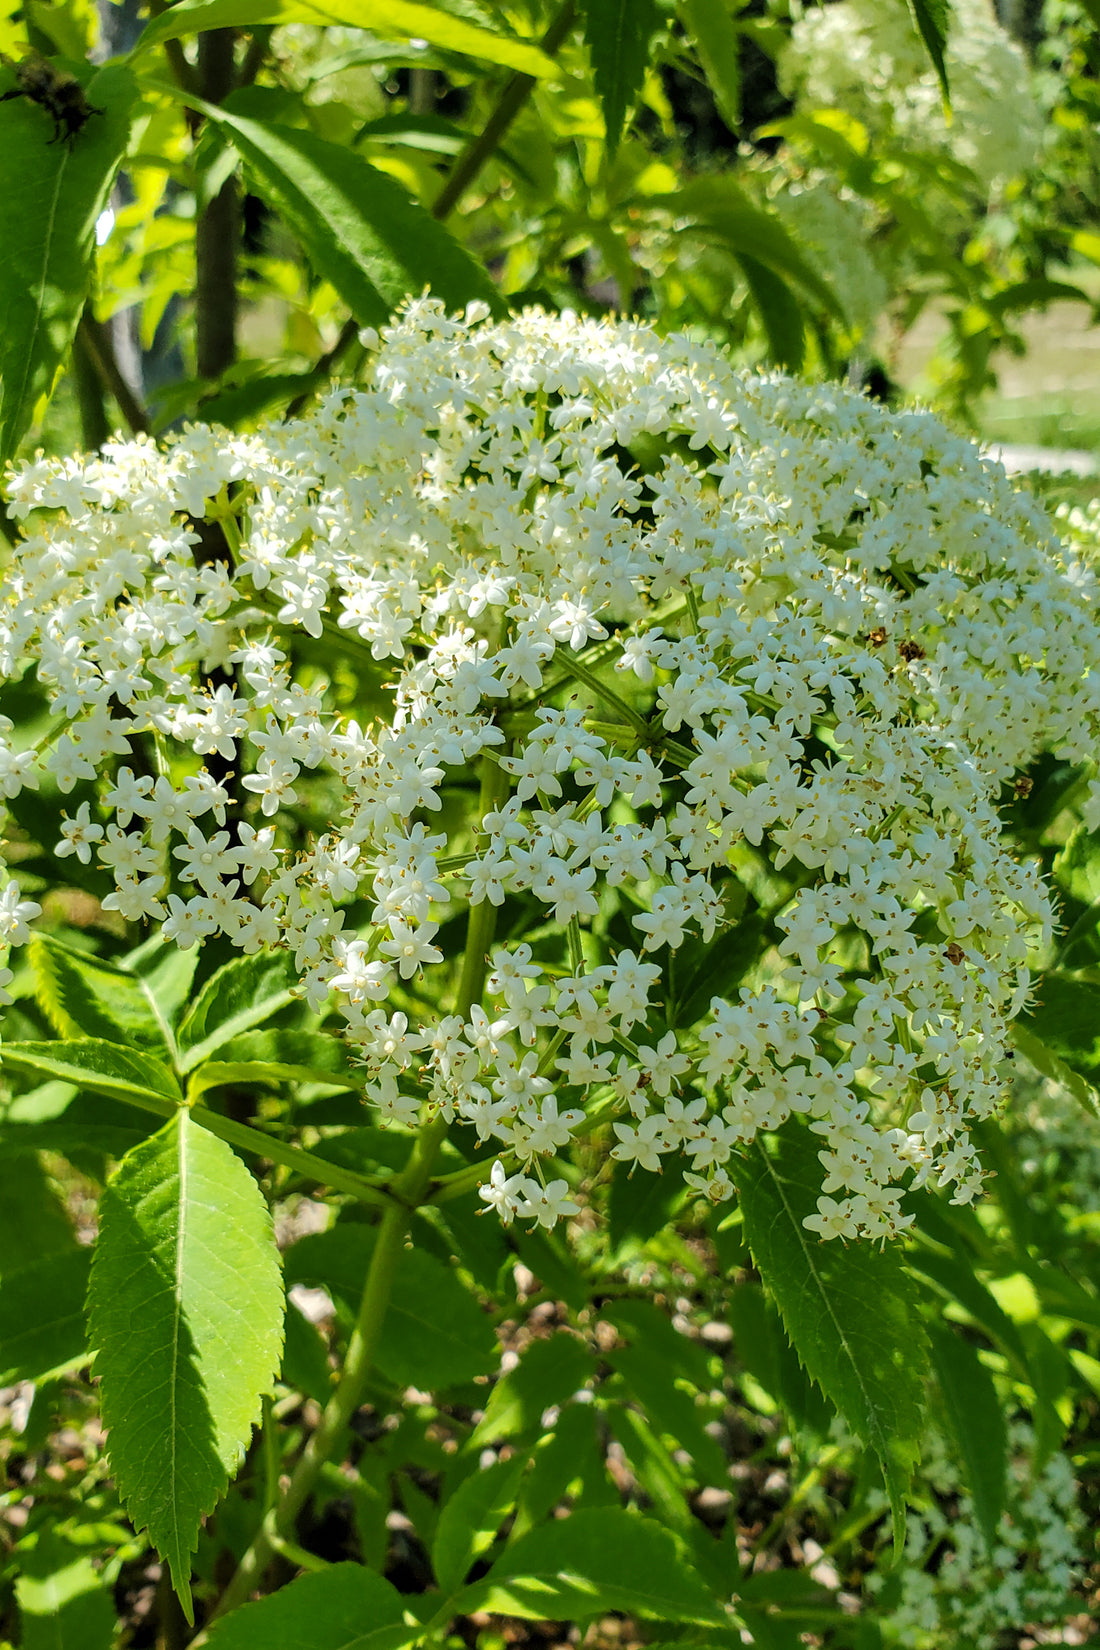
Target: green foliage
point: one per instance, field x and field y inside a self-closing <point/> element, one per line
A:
<point x="618" y="34"/>
<point x="185" y="1249"/>
<point x="977" y="1425"/>
<point x="849" y="1311"/>
<point x="341" y="1608"/>
<point x="48" y="209"/>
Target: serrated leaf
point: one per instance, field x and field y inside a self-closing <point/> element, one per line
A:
<point x="660" y="1477"/>
<point x="392" y="19"/>
<point x="357" y="225"/>
<point x="850" y="1312"/>
<point x="589" y="1563"/>
<point x="549" y="1372"/>
<point x="344" y="1607"/>
<point x="977" y="1426"/>
<point x="933" y="20"/>
<point x="241" y="995"/>
<point x="104" y="1068"/>
<point x="718" y="43"/>
<point x="83" y="996"/>
<point x="186" y="1252"/>
<point x="52" y="196"/>
<point x="470" y="1519"/>
<point x="42" y="1315"/>
<point x="618" y="34"/>
<point x="164" y="973"/>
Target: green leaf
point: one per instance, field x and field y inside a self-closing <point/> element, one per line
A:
<point x="64" y="1603"/>
<point x="725" y="213"/>
<point x="718" y="42"/>
<point x="435" y="1334"/>
<point x="84" y="996"/>
<point x="241" y="995"/>
<point x="357" y="226"/>
<point x="305" y="1357"/>
<point x="977" y="1426"/>
<point x="669" y="1409"/>
<point x="33" y="1221"/>
<point x="1060" y="1035"/>
<point x="186" y="1256"/>
<point x="549" y="1372"/>
<point x="572" y="1453"/>
<point x="850" y="1312"/>
<point x="391" y="19"/>
<point x="639" y="1206"/>
<point x="618" y="34"/>
<point x="344" y="1607"/>
<point x="42" y="1315"/>
<point x="660" y="1477"/>
<point x="591" y="1562"/>
<point x="53" y="193"/>
<point x="102" y="1067"/>
<point x="269" y="1073"/>
<point x="165" y="974"/>
<point x="933" y="19"/>
<point x="470" y="1520"/>
<point x="779" y="311"/>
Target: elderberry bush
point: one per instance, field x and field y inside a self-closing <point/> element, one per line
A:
<point x="613" y="739"/>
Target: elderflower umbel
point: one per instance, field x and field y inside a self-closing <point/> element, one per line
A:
<point x="703" y="686"/>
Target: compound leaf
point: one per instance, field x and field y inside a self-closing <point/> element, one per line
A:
<point x="185" y="1308"/>
<point x="241" y="995"/>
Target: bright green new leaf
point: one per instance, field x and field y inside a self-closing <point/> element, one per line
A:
<point x="850" y="1312"/>
<point x="84" y="996"/>
<point x="42" y="1315"/>
<point x="241" y="995"/>
<point x="976" y="1423"/>
<point x="102" y="1067"/>
<point x="63" y="1601"/>
<point x="718" y="42"/>
<point x="53" y="194"/>
<point x="392" y="19"/>
<point x="618" y="34"/>
<point x="357" y="226"/>
<point x="185" y="1308"/>
<point x="344" y="1607"/>
<point x="470" y="1519"/>
<point x="589" y="1563"/>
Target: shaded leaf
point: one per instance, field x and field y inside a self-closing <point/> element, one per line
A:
<point x="344" y="1607"/>
<point x="593" y="1561"/>
<point x="64" y="1603"/>
<point x="470" y="1519"/>
<point x="977" y="1426"/>
<point x="53" y="194"/>
<point x="850" y="1312"/>
<point x="718" y="43"/>
<point x="1060" y="1034"/>
<point x="933" y="19"/>
<point x="618" y="34"/>
<point x="392" y="19"/>
<point x="779" y="311"/>
<point x="549" y="1372"/>
<point x="42" y="1315"/>
<point x="186" y="1249"/>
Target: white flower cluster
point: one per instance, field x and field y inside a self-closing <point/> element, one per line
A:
<point x="868" y="59"/>
<point x="721" y="648"/>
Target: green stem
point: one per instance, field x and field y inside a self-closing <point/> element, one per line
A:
<point x="581" y="673"/>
